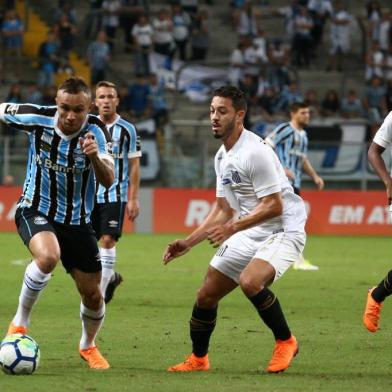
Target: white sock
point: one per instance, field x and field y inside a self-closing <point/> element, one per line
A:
<point x="33" y="283"/>
<point x="92" y="321"/>
<point x="300" y="260"/>
<point x="108" y="260"/>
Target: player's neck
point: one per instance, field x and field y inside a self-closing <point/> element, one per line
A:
<point x="233" y="138"/>
<point x="108" y="119"/>
<point x="295" y="125"/>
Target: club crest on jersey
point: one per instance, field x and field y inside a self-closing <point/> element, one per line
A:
<point x="78" y="155"/>
<point x="235" y="177"/>
<point x="40" y="220"/>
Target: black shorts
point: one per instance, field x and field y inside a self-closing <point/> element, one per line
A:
<point x="108" y="218"/>
<point x="78" y="245"/>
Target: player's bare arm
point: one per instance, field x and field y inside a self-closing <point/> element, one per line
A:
<point x="378" y="164"/>
<point x="104" y="170"/>
<point x="309" y="170"/>
<point x="220" y="214"/>
<point x="269" y="207"/>
<point x="133" y="202"/>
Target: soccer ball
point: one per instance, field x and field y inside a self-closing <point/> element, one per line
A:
<point x="19" y="354"/>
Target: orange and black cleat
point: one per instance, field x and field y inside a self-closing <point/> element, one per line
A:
<point x="16" y="329"/>
<point x="371" y="315"/>
<point x="94" y="358"/>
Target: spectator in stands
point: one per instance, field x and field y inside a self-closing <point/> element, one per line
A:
<point x="374" y="62"/>
<point x="181" y="26"/>
<point x="49" y="96"/>
<point x="236" y="65"/>
<point x="111" y="19"/>
<point x="388" y="64"/>
<point x="302" y="41"/>
<point x="289" y="95"/>
<point x="15" y="94"/>
<point x="267" y="103"/>
<point x="158" y="102"/>
<point x="252" y="63"/>
<point x="12" y="30"/>
<point x="313" y="103"/>
<point x="163" y="33"/>
<point x="374" y="15"/>
<point x="191" y="7"/>
<point x="66" y="32"/>
<point x="48" y="55"/>
<point x="138" y="99"/>
<point x="330" y="105"/>
<point x="245" y="20"/>
<point x="98" y="55"/>
<point x="385" y="30"/>
<point x="278" y="59"/>
<point x="249" y="88"/>
<point x="289" y="12"/>
<point x="129" y="14"/>
<point x="340" y="37"/>
<point x="375" y="103"/>
<point x="142" y="34"/>
<point x="260" y="45"/>
<point x="123" y="106"/>
<point x="200" y="40"/>
<point x="352" y="106"/>
<point x="33" y="94"/>
<point x="67" y="9"/>
<point x="320" y="11"/>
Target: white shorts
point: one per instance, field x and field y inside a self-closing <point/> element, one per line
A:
<point x="280" y="250"/>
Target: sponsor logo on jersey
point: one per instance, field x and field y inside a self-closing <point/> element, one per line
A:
<point x="49" y="164"/>
<point x="12" y="109"/>
<point x="226" y="181"/>
<point x="40" y="220"/>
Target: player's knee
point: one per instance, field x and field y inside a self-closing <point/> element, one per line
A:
<point x="249" y="286"/>
<point x="107" y="241"/>
<point x="47" y="260"/>
<point x="205" y="299"/>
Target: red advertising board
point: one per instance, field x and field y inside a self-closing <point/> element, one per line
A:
<point x="330" y="212"/>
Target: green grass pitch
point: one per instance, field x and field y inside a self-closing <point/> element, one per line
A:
<point x="146" y="326"/>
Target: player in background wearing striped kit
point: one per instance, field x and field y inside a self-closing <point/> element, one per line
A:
<point x="290" y="143"/>
<point x="67" y="155"/>
<point x="108" y="213"/>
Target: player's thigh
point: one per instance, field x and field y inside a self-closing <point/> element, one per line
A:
<point x="39" y="235"/>
<point x="281" y="250"/>
<point x="256" y="275"/>
<point x="234" y="255"/>
<point x="79" y="248"/>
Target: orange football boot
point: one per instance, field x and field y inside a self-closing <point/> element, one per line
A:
<point x="371" y="315"/>
<point x="16" y="329"/>
<point x="284" y="352"/>
<point x="192" y="364"/>
<point x="94" y="358"/>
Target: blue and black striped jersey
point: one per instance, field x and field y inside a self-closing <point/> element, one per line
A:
<point x="60" y="181"/>
<point x="291" y="146"/>
<point x="125" y="145"/>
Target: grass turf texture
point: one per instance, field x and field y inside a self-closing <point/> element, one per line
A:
<point x="146" y="326"/>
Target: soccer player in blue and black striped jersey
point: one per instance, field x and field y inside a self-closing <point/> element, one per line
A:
<point x="290" y="143"/>
<point x="108" y="214"/>
<point x="68" y="154"/>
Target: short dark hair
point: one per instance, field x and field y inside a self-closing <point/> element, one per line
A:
<point x="294" y="107"/>
<point x="75" y="85"/>
<point x="105" y="83"/>
<point x="235" y="94"/>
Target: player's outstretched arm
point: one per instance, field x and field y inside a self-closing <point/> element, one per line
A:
<point x="104" y="170"/>
<point x="133" y="202"/>
<point x="309" y="170"/>
<point x="220" y="214"/>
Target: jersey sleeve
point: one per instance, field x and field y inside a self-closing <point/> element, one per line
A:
<point x="25" y="116"/>
<point x="278" y="135"/>
<point x="135" y="148"/>
<point x="383" y="136"/>
<point x="219" y="186"/>
<point x="103" y="140"/>
<point x="263" y="172"/>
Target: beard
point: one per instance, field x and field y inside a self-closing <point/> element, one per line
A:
<point x="227" y="130"/>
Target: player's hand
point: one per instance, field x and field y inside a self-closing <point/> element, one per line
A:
<point x="89" y="145"/>
<point x="175" y="249"/>
<point x="218" y="234"/>
<point x="319" y="183"/>
<point x="133" y="209"/>
<point x="290" y="175"/>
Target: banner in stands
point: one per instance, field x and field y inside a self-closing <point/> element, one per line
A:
<point x="182" y="210"/>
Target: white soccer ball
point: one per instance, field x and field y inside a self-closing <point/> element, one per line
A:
<point x="19" y="354"/>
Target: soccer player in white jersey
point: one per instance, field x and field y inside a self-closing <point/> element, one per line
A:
<point x="255" y="249"/>
<point x="377" y="295"/>
<point x="108" y="213"/>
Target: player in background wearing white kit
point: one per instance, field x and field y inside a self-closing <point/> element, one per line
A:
<point x="255" y="249"/>
<point x="377" y="295"/>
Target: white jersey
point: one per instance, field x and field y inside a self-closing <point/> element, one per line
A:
<point x="383" y="136"/>
<point x="251" y="170"/>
